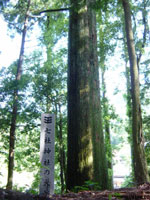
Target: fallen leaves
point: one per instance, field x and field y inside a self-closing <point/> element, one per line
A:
<point x="137" y="193"/>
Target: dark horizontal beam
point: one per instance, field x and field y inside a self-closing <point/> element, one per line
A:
<point x="54" y="10"/>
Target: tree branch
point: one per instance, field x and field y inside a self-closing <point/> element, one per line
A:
<point x="37" y="14"/>
<point x="54" y="10"/>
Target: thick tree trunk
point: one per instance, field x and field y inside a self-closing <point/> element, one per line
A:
<point x="86" y="155"/>
<point x="15" y="107"/>
<point x="139" y="162"/>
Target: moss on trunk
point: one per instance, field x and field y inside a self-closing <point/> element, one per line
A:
<point x="86" y="156"/>
<point x="139" y="161"/>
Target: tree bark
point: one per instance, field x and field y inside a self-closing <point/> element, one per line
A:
<point x="139" y="161"/>
<point x="61" y="152"/>
<point x="15" y="106"/>
<point x="86" y="154"/>
<point x="106" y="122"/>
<point x="105" y="112"/>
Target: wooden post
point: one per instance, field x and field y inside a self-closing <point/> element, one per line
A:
<point x="47" y="150"/>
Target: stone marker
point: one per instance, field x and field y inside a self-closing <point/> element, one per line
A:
<point x="47" y="150"/>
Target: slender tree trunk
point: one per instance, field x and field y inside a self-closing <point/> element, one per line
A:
<point x="128" y="99"/>
<point x="139" y="162"/>
<point x="129" y="115"/>
<point x="60" y="147"/>
<point x="106" y="122"/>
<point x="105" y="111"/>
<point x="61" y="152"/>
<point x="86" y="154"/>
<point x="15" y="106"/>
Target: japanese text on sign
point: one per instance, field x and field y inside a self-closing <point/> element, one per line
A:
<point x="47" y="154"/>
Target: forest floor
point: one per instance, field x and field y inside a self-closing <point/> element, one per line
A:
<point x="140" y="192"/>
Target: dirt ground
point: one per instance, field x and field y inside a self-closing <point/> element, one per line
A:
<point x="140" y="192"/>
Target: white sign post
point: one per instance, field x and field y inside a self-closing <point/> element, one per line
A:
<point x="47" y="150"/>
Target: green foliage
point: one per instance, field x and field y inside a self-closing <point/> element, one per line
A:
<point x="14" y="14"/>
<point x="3" y="3"/>
<point x="27" y="151"/>
<point x="89" y="185"/>
<point x="128" y="181"/>
<point x="110" y="196"/>
<point x="35" y="184"/>
<point x="49" y="84"/>
<point x="19" y="189"/>
<point x="101" y="4"/>
<point x="7" y="87"/>
<point x="118" y="195"/>
<point x="28" y="130"/>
